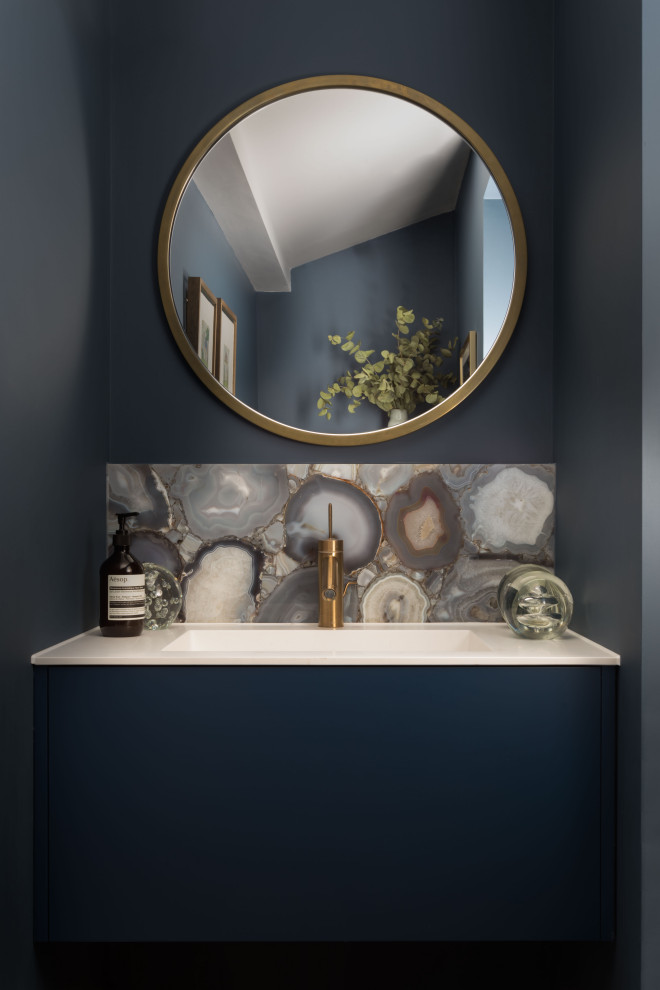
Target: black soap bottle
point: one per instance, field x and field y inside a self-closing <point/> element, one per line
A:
<point x="122" y="587"/>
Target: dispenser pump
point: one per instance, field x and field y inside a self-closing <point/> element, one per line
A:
<point x="122" y="538"/>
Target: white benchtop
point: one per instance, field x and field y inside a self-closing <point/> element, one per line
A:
<point x="302" y="644"/>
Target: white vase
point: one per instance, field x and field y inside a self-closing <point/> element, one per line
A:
<point x="397" y="416"/>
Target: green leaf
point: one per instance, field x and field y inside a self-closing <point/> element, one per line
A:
<point x="445" y="351"/>
<point x="404" y="315"/>
<point x="347" y="346"/>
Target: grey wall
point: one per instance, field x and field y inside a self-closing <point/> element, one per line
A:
<point x="170" y="86"/>
<point x="54" y="259"/>
<point x="650" y="681"/>
<point x="598" y="421"/>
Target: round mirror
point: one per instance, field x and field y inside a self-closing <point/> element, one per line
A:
<point x="341" y="260"/>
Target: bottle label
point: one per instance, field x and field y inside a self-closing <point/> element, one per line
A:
<point x="126" y="596"/>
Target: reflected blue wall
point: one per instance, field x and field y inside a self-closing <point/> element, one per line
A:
<point x="357" y="289"/>
<point x="200" y="248"/>
<point x="498" y="268"/>
<point x="470" y="251"/>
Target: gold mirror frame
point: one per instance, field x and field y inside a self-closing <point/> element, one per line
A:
<point x="448" y="117"/>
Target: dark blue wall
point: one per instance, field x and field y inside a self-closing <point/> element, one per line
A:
<point x="199" y="247"/>
<point x="598" y="409"/>
<point x="54" y="259"/>
<point x="357" y="289"/>
<point x="470" y="56"/>
<point x="494" y="64"/>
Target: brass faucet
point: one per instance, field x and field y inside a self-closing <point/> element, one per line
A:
<point x="331" y="579"/>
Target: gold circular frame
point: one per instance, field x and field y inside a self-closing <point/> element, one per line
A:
<point x="404" y="93"/>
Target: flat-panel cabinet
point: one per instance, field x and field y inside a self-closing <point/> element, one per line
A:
<point x="324" y="803"/>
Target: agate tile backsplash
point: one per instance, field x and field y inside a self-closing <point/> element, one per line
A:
<point x="422" y="542"/>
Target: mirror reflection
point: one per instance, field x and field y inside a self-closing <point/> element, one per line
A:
<point x="346" y="231"/>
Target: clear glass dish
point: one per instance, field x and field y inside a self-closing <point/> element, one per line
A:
<point x="164" y="597"/>
<point x="534" y="602"/>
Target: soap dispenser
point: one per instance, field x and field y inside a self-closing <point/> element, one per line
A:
<point x="122" y="587"/>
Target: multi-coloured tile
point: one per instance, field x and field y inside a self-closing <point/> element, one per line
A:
<point x="422" y="542"/>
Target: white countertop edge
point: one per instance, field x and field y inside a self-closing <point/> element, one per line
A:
<point x="505" y="649"/>
<point x="286" y="661"/>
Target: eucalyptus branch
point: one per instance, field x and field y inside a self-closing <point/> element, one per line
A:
<point x="402" y="378"/>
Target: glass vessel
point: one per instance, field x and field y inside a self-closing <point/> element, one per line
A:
<point x="534" y="602"/>
<point x="163" y="594"/>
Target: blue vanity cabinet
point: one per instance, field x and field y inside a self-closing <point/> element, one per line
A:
<point x="324" y="803"/>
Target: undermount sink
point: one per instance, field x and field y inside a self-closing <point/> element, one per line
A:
<point x="364" y="640"/>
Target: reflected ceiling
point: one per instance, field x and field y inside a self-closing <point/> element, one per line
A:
<point x="320" y="172"/>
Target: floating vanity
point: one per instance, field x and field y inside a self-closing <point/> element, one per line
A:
<point x="283" y="782"/>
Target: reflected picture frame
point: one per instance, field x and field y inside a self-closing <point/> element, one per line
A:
<point x="467" y="363"/>
<point x="227" y="338"/>
<point x="202" y="323"/>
